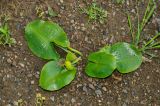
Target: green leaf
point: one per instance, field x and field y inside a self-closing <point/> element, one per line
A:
<point x="71" y="56"/>
<point x="106" y="49"/>
<point x="54" y="76"/>
<point x="100" y="65"/>
<point x="41" y="34"/>
<point x="51" y="12"/>
<point x="128" y="57"/>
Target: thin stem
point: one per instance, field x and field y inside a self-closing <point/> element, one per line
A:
<point x="75" y="51"/>
<point x="139" y="31"/>
<point x="131" y="28"/>
<point x="150" y="54"/>
<point x="156" y="47"/>
<point x="147" y="9"/>
<point x="150" y="41"/>
<point x="155" y="44"/>
<point x="77" y="60"/>
<point x="69" y="49"/>
<point x="148" y="17"/>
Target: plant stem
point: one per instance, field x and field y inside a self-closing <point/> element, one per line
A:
<point x="138" y="29"/>
<point x="150" y="41"/>
<point x="147" y="16"/>
<point x="67" y="49"/>
<point x="75" y="51"/>
<point x="144" y="17"/>
<point x="76" y="61"/>
<point x="148" y="13"/>
<point x="131" y="28"/>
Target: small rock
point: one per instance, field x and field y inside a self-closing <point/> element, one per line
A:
<point x="52" y="98"/>
<point x="72" y="21"/>
<point x="79" y="85"/>
<point x="29" y="75"/>
<point x="65" y="95"/>
<point x="15" y="103"/>
<point x="21" y="64"/>
<point x="99" y="101"/>
<point x="91" y="86"/>
<point x="14" y="63"/>
<point x="86" y="39"/>
<point x="73" y="100"/>
<point x="9" y="61"/>
<point x="85" y="89"/>
<point x="61" y="1"/>
<point x="104" y="89"/>
<point x="32" y="82"/>
<point x="8" y="75"/>
<point x="83" y="28"/>
<point x="124" y="104"/>
<point x="98" y="92"/>
<point x="125" y="91"/>
<point x="111" y="40"/>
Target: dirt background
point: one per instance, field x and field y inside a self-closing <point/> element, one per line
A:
<point x="20" y="69"/>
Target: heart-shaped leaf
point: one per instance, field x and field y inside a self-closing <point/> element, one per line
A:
<point x="128" y="57"/>
<point x="54" y="76"/>
<point x="100" y="65"/>
<point x="71" y="56"/>
<point x="106" y="49"/>
<point x="41" y="34"/>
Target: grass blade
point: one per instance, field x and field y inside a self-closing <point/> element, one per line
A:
<point x="148" y="16"/>
<point x="144" y="17"/>
<point x="131" y="28"/>
<point x="155" y="44"/>
<point x="150" y="41"/>
<point x="138" y="29"/>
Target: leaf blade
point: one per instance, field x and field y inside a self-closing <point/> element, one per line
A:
<point x="54" y="77"/>
<point x="41" y="34"/>
<point x="128" y="57"/>
<point x="100" y="65"/>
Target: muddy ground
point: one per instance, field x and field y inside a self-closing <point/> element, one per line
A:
<point x="19" y="68"/>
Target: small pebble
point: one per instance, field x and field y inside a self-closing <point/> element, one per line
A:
<point x="98" y="92"/>
<point x="52" y="98"/>
<point x="61" y="1"/>
<point x="104" y="88"/>
<point x="9" y="61"/>
<point x="91" y="86"/>
<point x="73" y="100"/>
<point x="21" y="64"/>
<point x="85" y="89"/>
<point x="32" y="82"/>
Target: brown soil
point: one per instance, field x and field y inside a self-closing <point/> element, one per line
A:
<point x="19" y="68"/>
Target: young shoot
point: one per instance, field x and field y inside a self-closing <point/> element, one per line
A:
<point x="136" y="35"/>
<point x="95" y="13"/>
<point x="5" y="37"/>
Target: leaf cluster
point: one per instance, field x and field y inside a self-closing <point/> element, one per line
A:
<point x="41" y="37"/>
<point x="5" y="36"/>
<point x="136" y="34"/>
<point x="121" y="56"/>
<point x="95" y="13"/>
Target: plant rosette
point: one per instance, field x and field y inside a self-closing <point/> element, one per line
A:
<point x="121" y="56"/>
<point x="41" y="37"/>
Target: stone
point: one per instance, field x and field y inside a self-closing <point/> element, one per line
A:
<point x="52" y="98"/>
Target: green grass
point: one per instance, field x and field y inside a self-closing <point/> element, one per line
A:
<point x="5" y="37"/>
<point x="119" y="1"/>
<point x="153" y="43"/>
<point x="95" y="13"/>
